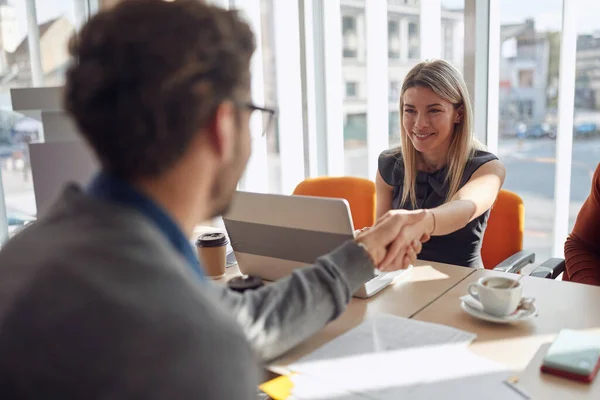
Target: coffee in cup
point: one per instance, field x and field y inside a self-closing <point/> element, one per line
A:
<point x="212" y="252"/>
<point x="499" y="296"/>
<point x="498" y="283"/>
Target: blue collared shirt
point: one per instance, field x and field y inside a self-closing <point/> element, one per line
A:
<point x="109" y="188"/>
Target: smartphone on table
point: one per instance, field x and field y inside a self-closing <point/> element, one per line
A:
<point x="573" y="355"/>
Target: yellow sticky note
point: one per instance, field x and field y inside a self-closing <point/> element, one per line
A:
<point x="279" y="388"/>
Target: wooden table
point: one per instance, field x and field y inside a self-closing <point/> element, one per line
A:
<point x="405" y="298"/>
<point x="522" y="346"/>
<point x="431" y="293"/>
<point x="426" y="282"/>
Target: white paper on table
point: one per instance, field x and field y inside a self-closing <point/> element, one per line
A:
<point x="384" y="332"/>
<point x="309" y="388"/>
<point x="389" y="357"/>
<point x="352" y="384"/>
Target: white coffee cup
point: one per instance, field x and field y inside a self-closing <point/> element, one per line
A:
<point x="500" y="296"/>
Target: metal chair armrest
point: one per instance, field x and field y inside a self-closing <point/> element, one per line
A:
<point x="516" y="262"/>
<point x="550" y="269"/>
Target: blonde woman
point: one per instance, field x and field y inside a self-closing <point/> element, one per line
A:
<point x="440" y="167"/>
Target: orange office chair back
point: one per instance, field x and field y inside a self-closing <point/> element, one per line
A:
<point x="504" y="234"/>
<point x="359" y="192"/>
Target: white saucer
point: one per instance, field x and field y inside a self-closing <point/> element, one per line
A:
<point x="522" y="315"/>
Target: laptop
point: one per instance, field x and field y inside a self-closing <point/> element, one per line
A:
<point x="272" y="235"/>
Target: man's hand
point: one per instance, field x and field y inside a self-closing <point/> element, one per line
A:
<point x="395" y="240"/>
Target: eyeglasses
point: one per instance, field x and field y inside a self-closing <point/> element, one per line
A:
<point x="267" y="114"/>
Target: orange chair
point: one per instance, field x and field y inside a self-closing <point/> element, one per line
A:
<point x="359" y="192"/>
<point x="502" y="248"/>
<point x="503" y="237"/>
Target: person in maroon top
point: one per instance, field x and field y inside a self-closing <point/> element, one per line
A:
<point x="582" y="249"/>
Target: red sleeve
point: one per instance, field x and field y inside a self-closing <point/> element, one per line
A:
<point x="582" y="249"/>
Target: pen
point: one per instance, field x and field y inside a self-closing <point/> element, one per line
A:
<point x="512" y="383"/>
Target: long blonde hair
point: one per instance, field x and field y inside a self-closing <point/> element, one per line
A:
<point x="444" y="80"/>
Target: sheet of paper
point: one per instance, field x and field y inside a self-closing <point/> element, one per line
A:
<point x="309" y="388"/>
<point x="384" y="332"/>
<point x="489" y="387"/>
<point x="389" y="357"/>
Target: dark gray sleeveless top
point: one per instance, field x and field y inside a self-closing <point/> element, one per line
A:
<point x="462" y="247"/>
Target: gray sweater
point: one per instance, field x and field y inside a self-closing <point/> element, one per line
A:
<point x="96" y="304"/>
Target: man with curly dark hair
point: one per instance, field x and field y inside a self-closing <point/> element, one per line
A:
<point x="103" y="297"/>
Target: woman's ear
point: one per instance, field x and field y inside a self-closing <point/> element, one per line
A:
<point x="459" y="114"/>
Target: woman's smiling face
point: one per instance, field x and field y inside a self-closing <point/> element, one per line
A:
<point x="428" y="120"/>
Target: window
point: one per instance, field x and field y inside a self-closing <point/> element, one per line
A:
<point x="413" y="41"/>
<point x="348" y="24"/>
<point x="525" y="108"/>
<point x="393" y="39"/>
<point x="355" y="136"/>
<point x="453" y="15"/>
<point x="530" y="40"/>
<point x="448" y="41"/>
<point x="354" y="73"/>
<point x="349" y="37"/>
<point x="392" y="27"/>
<point x="394" y="93"/>
<point x="586" y="124"/>
<point x="351" y="89"/>
<point x="270" y="93"/>
<point x="394" y="120"/>
<point x="526" y="78"/>
<point x="20" y="67"/>
<point x="349" y="53"/>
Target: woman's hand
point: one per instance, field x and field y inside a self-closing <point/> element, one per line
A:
<point x="390" y="243"/>
<point x="404" y="250"/>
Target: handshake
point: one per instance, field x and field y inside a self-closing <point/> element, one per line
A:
<point x="396" y="238"/>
